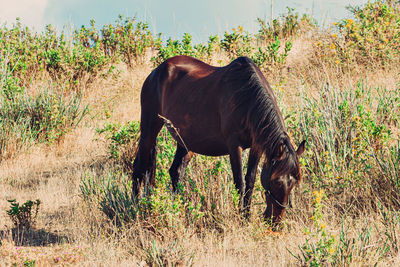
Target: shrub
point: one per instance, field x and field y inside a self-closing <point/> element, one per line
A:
<point x="320" y="245"/>
<point x="128" y="39"/>
<point x="370" y="39"/>
<point x="285" y="26"/>
<point x="271" y="58"/>
<point x="26" y="120"/>
<point x="112" y="194"/>
<point x="348" y="137"/>
<point x="237" y="43"/>
<point x="185" y="47"/>
<point x="23" y="216"/>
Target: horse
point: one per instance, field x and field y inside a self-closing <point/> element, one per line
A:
<point x="218" y="111"/>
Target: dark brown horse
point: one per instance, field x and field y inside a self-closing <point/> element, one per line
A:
<point x="218" y="111"/>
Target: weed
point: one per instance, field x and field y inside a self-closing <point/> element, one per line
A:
<point x="320" y="246"/>
<point x="271" y="58"/>
<point x="23" y="216"/>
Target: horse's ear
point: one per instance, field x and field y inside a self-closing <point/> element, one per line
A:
<point x="301" y="148"/>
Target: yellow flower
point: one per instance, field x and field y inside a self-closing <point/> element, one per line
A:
<point x="351" y="172"/>
<point x="323" y="226"/>
<point x="334" y="35"/>
<point x="337" y="61"/>
<point x="380" y="46"/>
<point x="386" y="40"/>
<point x="331" y="250"/>
<point x="332" y="46"/>
<point x="318" y="200"/>
<point x="240" y="28"/>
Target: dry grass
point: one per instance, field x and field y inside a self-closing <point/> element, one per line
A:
<point x="70" y="232"/>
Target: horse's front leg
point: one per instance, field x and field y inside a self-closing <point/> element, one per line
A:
<point x="178" y="168"/>
<point x="252" y="164"/>
<point x="235" y="156"/>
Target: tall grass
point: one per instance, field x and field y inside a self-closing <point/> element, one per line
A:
<point x="28" y="119"/>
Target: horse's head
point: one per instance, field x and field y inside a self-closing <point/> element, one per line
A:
<point x="280" y="173"/>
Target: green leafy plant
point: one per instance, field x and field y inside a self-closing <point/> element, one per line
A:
<point x="287" y="25"/>
<point x="320" y="246"/>
<point x="368" y="39"/>
<point x="23" y="216"/>
<point x="237" y="43"/>
<point x="271" y="57"/>
<point x="121" y="137"/>
<point x="185" y="47"/>
<point x="343" y="129"/>
<point x="26" y="120"/>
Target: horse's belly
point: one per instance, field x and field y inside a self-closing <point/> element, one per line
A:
<point x="209" y="148"/>
<point x="200" y="142"/>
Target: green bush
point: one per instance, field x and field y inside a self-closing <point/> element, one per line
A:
<point x="372" y="38"/>
<point x="46" y="117"/>
<point x="347" y="131"/>
<point x="112" y="194"/>
<point x="271" y="58"/>
<point x="285" y="26"/>
<point x="237" y="43"/>
<point x="185" y="47"/>
<point x="23" y="216"/>
<point x="76" y="59"/>
<point x="25" y="119"/>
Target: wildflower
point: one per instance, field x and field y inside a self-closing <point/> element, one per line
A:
<point x="332" y="46"/>
<point x="323" y="226"/>
<point x="386" y="40"/>
<point x="318" y="44"/>
<point x="351" y="172"/>
<point x="240" y="29"/>
<point x="318" y="200"/>
<point x="331" y="250"/>
<point x="337" y="61"/>
<point x="334" y="35"/>
<point x="380" y="46"/>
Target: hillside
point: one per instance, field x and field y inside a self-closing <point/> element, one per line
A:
<point x="69" y="120"/>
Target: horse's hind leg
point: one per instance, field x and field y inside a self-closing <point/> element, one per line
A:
<point x="145" y="161"/>
<point x="178" y="167"/>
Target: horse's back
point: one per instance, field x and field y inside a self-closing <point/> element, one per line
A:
<point x="195" y="98"/>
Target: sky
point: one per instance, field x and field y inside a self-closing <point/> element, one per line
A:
<point x="171" y="17"/>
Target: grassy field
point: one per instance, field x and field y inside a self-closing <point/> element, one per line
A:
<point x="69" y="120"/>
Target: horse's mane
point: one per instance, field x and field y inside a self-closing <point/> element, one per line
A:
<point x="254" y="101"/>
